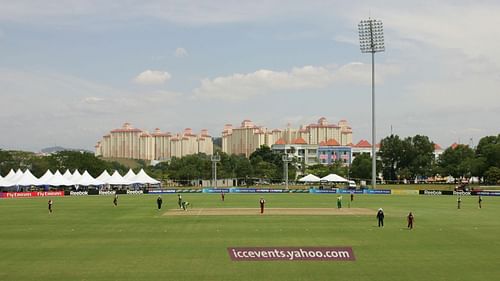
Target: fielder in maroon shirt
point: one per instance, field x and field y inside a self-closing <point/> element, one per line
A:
<point x="262" y="203"/>
<point x="222" y="196"/>
<point x="410" y="220"/>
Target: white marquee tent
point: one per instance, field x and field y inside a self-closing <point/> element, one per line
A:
<point x="143" y="178"/>
<point x="310" y="178"/>
<point x="16" y="176"/>
<point x="117" y="179"/>
<point x="58" y="180"/>
<point x="129" y="175"/>
<point x="334" y="178"/>
<point x="67" y="175"/>
<point x="20" y="178"/>
<point x="28" y="179"/>
<point x="44" y="179"/>
<point x="87" y="180"/>
<point x="104" y="176"/>
<point x="9" y="175"/>
<point x="75" y="177"/>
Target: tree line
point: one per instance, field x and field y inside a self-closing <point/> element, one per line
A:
<point x="398" y="159"/>
<point x="39" y="164"/>
<point x="413" y="157"/>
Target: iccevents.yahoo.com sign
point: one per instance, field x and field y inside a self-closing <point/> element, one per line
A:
<point x="291" y="254"/>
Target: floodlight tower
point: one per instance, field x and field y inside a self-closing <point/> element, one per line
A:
<point x="371" y="40"/>
<point x="215" y="158"/>
<point x="286" y="159"/>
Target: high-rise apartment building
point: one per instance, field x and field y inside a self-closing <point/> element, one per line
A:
<point x="248" y="137"/>
<point x="129" y="142"/>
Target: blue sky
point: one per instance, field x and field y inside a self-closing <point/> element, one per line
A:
<point x="70" y="71"/>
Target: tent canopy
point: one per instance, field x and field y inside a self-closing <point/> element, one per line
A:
<point x="20" y="178"/>
<point x="310" y="178"/>
<point x="144" y="178"/>
<point x="28" y="179"/>
<point x="58" y="180"/>
<point x="117" y="179"/>
<point x="334" y="178"/>
<point x="87" y="180"/>
<point x="104" y="176"/>
<point x="75" y="177"/>
<point x="67" y="175"/>
<point x="129" y="175"/>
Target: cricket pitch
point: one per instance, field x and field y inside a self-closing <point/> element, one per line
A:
<point x="269" y="211"/>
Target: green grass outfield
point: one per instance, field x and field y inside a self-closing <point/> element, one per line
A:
<point x="86" y="238"/>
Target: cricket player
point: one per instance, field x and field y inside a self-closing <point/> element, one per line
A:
<point x="339" y="201"/>
<point x="222" y="195"/>
<point x="159" y="201"/>
<point x="380" y="217"/>
<point x="50" y="205"/>
<point x="459" y="200"/>
<point x="185" y="205"/>
<point x="115" y="200"/>
<point x="480" y="200"/>
<point x="262" y="203"/>
<point x="410" y="220"/>
<point x="179" y="200"/>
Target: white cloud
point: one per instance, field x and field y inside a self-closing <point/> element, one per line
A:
<point x="92" y="99"/>
<point x="181" y="52"/>
<point x="152" y="77"/>
<point x="71" y="111"/>
<point x="262" y="82"/>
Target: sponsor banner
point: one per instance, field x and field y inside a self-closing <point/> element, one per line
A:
<point x="257" y="190"/>
<point x="323" y="191"/>
<point x="488" y="193"/>
<point x="298" y="190"/>
<point x="78" y="193"/>
<point x="377" y="191"/>
<point x="1" y="194"/>
<point x="430" y="192"/>
<point x="112" y="192"/>
<point x="32" y="194"/>
<point x="349" y="191"/>
<point x="404" y="192"/>
<point x="435" y="192"/>
<point x="462" y="193"/>
<point x="215" y="190"/>
<point x="134" y="192"/>
<point x="162" y="191"/>
<point x="292" y="254"/>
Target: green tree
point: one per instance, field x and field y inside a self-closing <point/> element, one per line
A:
<point x="488" y="153"/>
<point x="319" y="170"/>
<point x="158" y="171"/>
<point x="6" y="162"/>
<point x="492" y="175"/>
<point x="82" y="161"/>
<point x="190" y="167"/>
<point x="265" y="170"/>
<point x="422" y="156"/>
<point x="456" y="161"/>
<point x="273" y="167"/>
<point x="242" y="167"/>
<point x="391" y="154"/>
<point x="408" y="158"/>
<point x="361" y="167"/>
